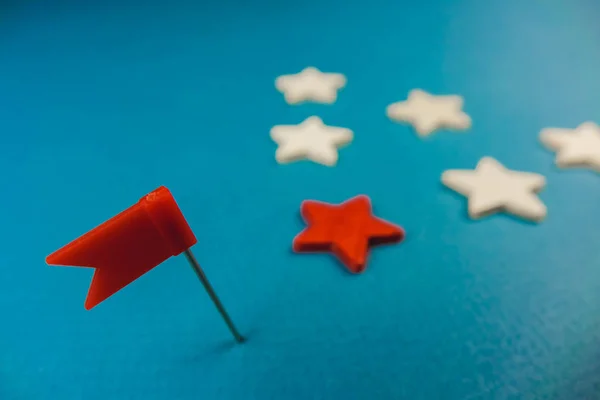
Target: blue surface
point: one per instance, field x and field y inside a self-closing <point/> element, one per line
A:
<point x="101" y="103"/>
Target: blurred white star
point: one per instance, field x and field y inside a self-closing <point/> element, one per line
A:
<point x="310" y="85"/>
<point x="579" y="147"/>
<point x="428" y="113"/>
<point x="311" y="139"/>
<point x="491" y="187"/>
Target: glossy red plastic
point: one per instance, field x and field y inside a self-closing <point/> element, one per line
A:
<point x="347" y="230"/>
<point x="128" y="245"/>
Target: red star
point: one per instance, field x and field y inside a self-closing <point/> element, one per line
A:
<point x="347" y="230"/>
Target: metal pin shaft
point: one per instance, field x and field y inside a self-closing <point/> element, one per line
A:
<point x="211" y="292"/>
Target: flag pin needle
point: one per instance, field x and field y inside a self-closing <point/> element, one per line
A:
<point x="213" y="296"/>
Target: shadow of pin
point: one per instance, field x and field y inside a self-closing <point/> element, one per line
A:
<point x="221" y="348"/>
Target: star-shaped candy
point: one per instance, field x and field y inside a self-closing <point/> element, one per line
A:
<point x="428" y="113"/>
<point x="311" y="139"/>
<point x="310" y="85"/>
<point x="347" y="230"/>
<point x="491" y="187"/>
<point x="578" y="147"/>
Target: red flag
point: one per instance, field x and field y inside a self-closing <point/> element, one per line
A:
<point x="128" y="245"/>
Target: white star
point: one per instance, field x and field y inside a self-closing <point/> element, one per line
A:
<point x="491" y="188"/>
<point x="428" y="113"/>
<point x="311" y="139"/>
<point x="310" y="85"/>
<point x="578" y="147"/>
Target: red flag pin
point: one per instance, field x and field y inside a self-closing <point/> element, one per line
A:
<point x="132" y="243"/>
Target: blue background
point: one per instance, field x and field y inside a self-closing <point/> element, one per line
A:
<point x="102" y="102"/>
